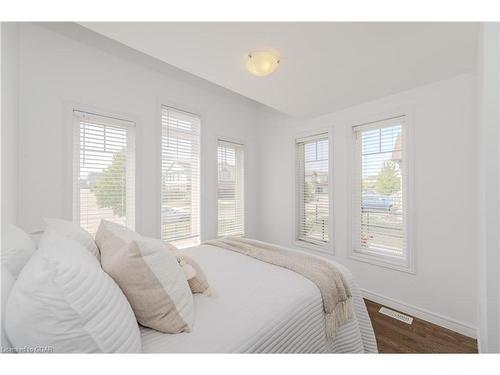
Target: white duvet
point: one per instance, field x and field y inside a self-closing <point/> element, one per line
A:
<point x="261" y="308"/>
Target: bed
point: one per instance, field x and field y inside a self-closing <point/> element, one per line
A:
<point x="261" y="308"/>
<point x="257" y="308"/>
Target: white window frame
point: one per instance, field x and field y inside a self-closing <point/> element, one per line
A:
<point x="77" y="112"/>
<point x="328" y="248"/>
<point x="242" y="146"/>
<point x="164" y="103"/>
<point x="405" y="263"/>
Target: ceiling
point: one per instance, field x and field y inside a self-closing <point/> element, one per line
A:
<point x="324" y="66"/>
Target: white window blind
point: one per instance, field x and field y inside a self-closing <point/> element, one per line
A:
<point x="180" y="177"/>
<point x="104" y="171"/>
<point x="312" y="190"/>
<point x="230" y="189"/>
<point x="379" y="188"/>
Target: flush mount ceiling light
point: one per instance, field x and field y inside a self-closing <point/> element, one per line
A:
<point x="262" y="63"/>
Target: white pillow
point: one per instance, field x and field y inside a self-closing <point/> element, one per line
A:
<point x="7" y="284"/>
<point x="17" y="249"/>
<point x="65" y="301"/>
<point x="55" y="228"/>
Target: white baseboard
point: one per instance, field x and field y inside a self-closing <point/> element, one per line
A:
<point x="423" y="314"/>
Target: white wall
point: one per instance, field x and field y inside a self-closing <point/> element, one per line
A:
<point x="444" y="287"/>
<point x="9" y="95"/>
<point x="97" y="72"/>
<point x="489" y="187"/>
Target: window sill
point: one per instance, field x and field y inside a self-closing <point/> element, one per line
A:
<point x="310" y="246"/>
<point x="185" y="243"/>
<point x="387" y="261"/>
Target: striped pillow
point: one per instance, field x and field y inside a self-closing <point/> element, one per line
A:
<point x="148" y="273"/>
<point x="65" y="302"/>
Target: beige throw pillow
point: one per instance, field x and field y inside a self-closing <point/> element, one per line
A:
<point x="197" y="279"/>
<point x="149" y="275"/>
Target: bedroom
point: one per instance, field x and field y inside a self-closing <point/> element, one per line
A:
<point x="373" y="162"/>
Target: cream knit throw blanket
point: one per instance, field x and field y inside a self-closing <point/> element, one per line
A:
<point x="336" y="294"/>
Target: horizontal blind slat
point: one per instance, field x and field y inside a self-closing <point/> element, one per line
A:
<point x="378" y="190"/>
<point x="230" y="189"/>
<point x="312" y="190"/>
<point x="180" y="176"/>
<point x="104" y="174"/>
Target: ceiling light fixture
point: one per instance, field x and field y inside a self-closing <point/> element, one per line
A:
<point x="262" y="63"/>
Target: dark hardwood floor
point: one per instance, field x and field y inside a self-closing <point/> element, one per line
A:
<point x="394" y="336"/>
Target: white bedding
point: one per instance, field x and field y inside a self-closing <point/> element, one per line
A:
<point x="261" y="308"/>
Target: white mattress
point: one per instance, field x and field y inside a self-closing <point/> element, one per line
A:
<point x="261" y="308"/>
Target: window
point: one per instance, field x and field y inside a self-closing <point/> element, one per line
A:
<point x="312" y="193"/>
<point x="104" y="171"/>
<point x="230" y="187"/>
<point x="380" y="192"/>
<point x="180" y="177"/>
